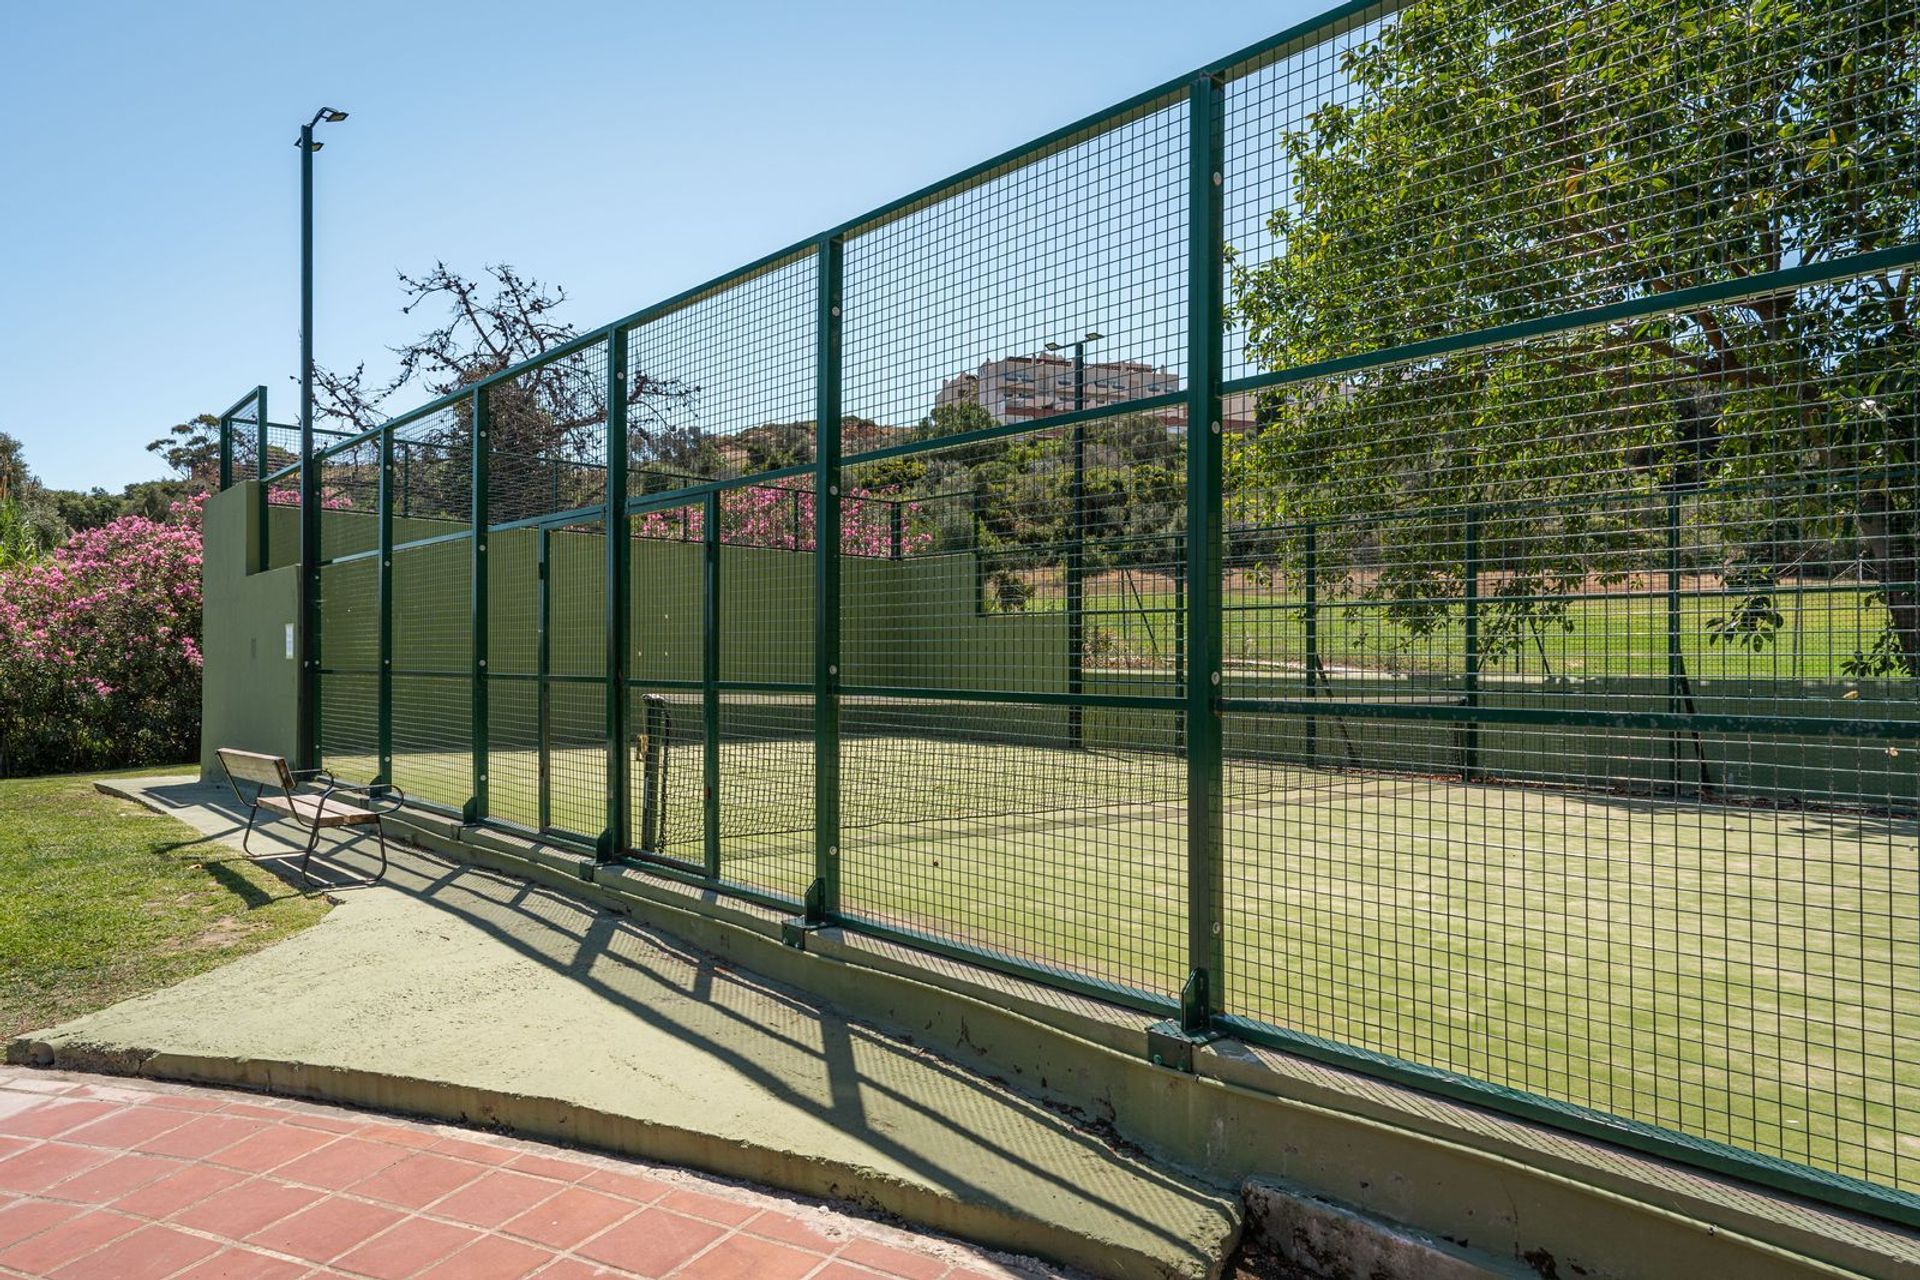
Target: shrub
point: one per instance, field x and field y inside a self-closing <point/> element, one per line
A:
<point x="100" y="648"/>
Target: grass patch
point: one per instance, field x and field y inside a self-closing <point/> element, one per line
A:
<point x="101" y="900"/>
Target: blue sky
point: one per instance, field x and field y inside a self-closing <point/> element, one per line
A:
<point x="149" y="183"/>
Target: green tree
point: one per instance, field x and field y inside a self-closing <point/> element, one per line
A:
<point x="1492" y="161"/>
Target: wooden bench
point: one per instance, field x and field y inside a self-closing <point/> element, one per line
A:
<point x="307" y="797"/>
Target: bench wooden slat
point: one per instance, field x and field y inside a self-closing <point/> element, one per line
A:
<point x="254" y="766"/>
<point x="310" y="810"/>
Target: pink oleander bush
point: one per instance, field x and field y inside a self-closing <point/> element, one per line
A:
<point x="764" y="516"/>
<point x="100" y="649"/>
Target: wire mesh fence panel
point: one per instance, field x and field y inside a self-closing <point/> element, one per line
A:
<point x="574" y="677"/>
<point x="240" y="439"/>
<point x="432" y="665"/>
<point x="951" y="304"/>
<point x="432" y="481"/>
<point x="1045" y="820"/>
<point x="1607" y="698"/>
<point x="666" y="670"/>
<point x="1564" y="630"/>
<point x="723" y="385"/>
<point x="766" y="832"/>
<point x="765" y="571"/>
<point x="547" y="438"/>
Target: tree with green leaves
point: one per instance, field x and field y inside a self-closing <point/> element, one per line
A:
<point x="1492" y="162"/>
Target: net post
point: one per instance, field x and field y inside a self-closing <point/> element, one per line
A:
<point x="619" y="833"/>
<point x="226" y="452"/>
<point x="823" y="902"/>
<point x="710" y="684"/>
<point x="1205" y="338"/>
<point x="384" y="596"/>
<point x="477" y="804"/>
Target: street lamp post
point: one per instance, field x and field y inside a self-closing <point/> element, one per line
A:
<point x="309" y="480"/>
<point x="1076" y="548"/>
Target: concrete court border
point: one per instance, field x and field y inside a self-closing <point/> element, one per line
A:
<point x="1558" y="1204"/>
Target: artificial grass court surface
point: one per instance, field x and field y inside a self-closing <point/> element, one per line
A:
<point x="101" y="900"/>
<point x="1741" y="973"/>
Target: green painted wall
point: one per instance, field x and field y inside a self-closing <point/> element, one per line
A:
<point x="250" y="689"/>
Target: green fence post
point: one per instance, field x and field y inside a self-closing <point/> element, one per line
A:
<point x="542" y="679"/>
<point x="260" y="469"/>
<point x="1201" y="997"/>
<point x="477" y="806"/>
<point x="1470" y="587"/>
<point x="823" y="897"/>
<point x="619" y="834"/>
<point x="1310" y="627"/>
<point x="710" y="684"/>
<point x="1676" y="659"/>
<point x="226" y="452"/>
<point x="384" y="595"/>
<point x="1076" y="568"/>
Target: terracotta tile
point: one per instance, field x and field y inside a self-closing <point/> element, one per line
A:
<point x="176" y="1191"/>
<point x="653" y="1242"/>
<point x="255" y="1111"/>
<point x="148" y="1254"/>
<point x="12" y="1104"/>
<point x="628" y="1186"/>
<point x="54" y="1116"/>
<point x="496" y="1197"/>
<point x="18" y="1221"/>
<point x="738" y="1256"/>
<point x="399" y="1135"/>
<point x="271" y="1147"/>
<point x="809" y="1232"/>
<point x="326" y="1122"/>
<point x="411" y="1246"/>
<point x="112" y="1093"/>
<point x="896" y="1262"/>
<point x="489" y="1258"/>
<point x="713" y="1208"/>
<point x="31" y="1083"/>
<point x="126" y="1127"/>
<point x="568" y="1218"/>
<point x="201" y="1136"/>
<point x="186" y="1102"/>
<point x="235" y="1263"/>
<point x="576" y="1269"/>
<point x="477" y="1151"/>
<point x="64" y="1241"/>
<point x="416" y="1181"/>
<point x="326" y="1230"/>
<point x="9" y="1146"/>
<point x="340" y="1164"/>
<point x="548" y="1167"/>
<point x="843" y="1271"/>
<point x="241" y="1210"/>
<point x="38" y="1168"/>
<point x="121" y="1174"/>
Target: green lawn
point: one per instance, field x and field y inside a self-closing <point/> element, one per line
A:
<point x="101" y="899"/>
<point x="1742" y="973"/>
<point x="1131" y="620"/>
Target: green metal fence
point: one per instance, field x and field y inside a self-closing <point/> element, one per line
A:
<point x="1402" y="545"/>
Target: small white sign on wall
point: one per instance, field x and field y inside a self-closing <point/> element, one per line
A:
<point x="289" y="642"/>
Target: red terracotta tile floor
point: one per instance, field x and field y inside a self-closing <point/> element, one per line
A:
<point x="134" y="1180"/>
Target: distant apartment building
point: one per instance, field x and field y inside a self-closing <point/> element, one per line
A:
<point x="1018" y="388"/>
<point x="1040" y="386"/>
